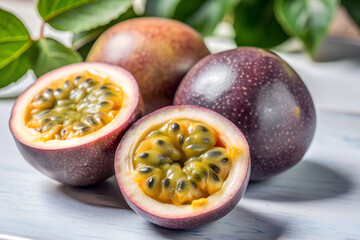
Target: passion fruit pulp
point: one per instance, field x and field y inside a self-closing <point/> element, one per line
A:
<point x="183" y="166"/>
<point x="69" y="122"/>
<point x="157" y="51"/>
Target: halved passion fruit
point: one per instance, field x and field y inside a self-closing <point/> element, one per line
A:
<point x="183" y="166"/>
<point x="70" y="121"/>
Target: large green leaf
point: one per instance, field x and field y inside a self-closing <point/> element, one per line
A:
<point x="14" y="38"/>
<point x="81" y="15"/>
<point x="203" y="15"/>
<point x="256" y="25"/>
<point x="14" y="70"/>
<point x="353" y="8"/>
<point x="48" y="54"/>
<point x="83" y="41"/>
<point x="308" y="20"/>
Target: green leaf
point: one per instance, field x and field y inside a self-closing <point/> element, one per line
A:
<point x="308" y="20"/>
<point x="15" y="69"/>
<point x="256" y="25"/>
<point x="81" y="15"/>
<point x="48" y="54"/>
<point x="353" y="8"/>
<point x="161" y="8"/>
<point x="203" y="15"/>
<point x="83" y="41"/>
<point x="14" y="38"/>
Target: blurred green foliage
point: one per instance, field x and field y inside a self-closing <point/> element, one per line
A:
<point x="259" y="23"/>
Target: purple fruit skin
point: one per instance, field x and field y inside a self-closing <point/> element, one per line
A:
<point x="263" y="96"/>
<point x="81" y="165"/>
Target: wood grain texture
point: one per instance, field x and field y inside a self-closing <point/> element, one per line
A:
<point x="316" y="199"/>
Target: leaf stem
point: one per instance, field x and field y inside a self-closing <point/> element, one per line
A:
<point x="42" y="29"/>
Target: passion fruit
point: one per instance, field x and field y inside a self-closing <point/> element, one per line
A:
<point x="183" y="166"/>
<point x="263" y="96"/>
<point x="158" y="52"/>
<point x="70" y="121"/>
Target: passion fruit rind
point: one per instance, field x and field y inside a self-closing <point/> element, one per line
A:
<point x="202" y="210"/>
<point x="157" y="51"/>
<point x="82" y="160"/>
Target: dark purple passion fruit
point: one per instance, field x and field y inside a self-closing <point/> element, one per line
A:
<point x="261" y="94"/>
<point x="183" y="166"/>
<point x="70" y="121"/>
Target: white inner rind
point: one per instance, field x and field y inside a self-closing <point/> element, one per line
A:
<point x="115" y="74"/>
<point x="231" y="137"/>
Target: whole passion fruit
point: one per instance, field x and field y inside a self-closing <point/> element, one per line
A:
<point x="158" y="52"/>
<point x="183" y="166"/>
<point x="70" y="121"/>
<point x="263" y="96"/>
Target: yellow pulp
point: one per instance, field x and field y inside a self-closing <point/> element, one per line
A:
<point x="74" y="106"/>
<point x="182" y="162"/>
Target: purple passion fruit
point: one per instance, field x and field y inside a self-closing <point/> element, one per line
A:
<point x="158" y="52"/>
<point x="263" y="96"/>
<point x="70" y="121"/>
<point x="183" y="166"/>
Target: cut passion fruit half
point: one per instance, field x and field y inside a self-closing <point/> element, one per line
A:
<point x="183" y="166"/>
<point x="69" y="122"/>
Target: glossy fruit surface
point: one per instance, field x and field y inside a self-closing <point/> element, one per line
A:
<point x="70" y="121"/>
<point x="168" y="174"/>
<point x="263" y="96"/>
<point x="158" y="52"/>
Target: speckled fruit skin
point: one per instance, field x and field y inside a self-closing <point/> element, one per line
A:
<point x="80" y="165"/>
<point x="183" y="221"/>
<point x="158" y="52"/>
<point x="263" y="96"/>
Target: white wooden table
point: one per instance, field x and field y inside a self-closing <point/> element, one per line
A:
<point x="317" y="199"/>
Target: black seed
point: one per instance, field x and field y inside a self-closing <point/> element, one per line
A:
<point x="203" y="128"/>
<point x="49" y="91"/>
<point x="150" y="182"/>
<point x="224" y="160"/>
<point x="197" y="177"/>
<point x="91" y="121"/>
<point x="78" y="78"/>
<point x="214" y="153"/>
<point x="89" y="80"/>
<point x="182" y="185"/>
<point x="104" y="103"/>
<point x="206" y="140"/>
<point x="174" y="127"/>
<point x="145" y="170"/>
<point x="215" y="177"/>
<point x="166" y="182"/>
<point x="85" y="129"/>
<point x="214" y="167"/>
<point x="205" y="174"/>
<point x="43" y="113"/>
<point x="181" y="139"/>
<point x="103" y="88"/>
<point x="108" y="93"/>
<point x="143" y="155"/>
<point x="45" y="120"/>
<point x="193" y="184"/>
<point x="160" y="142"/>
